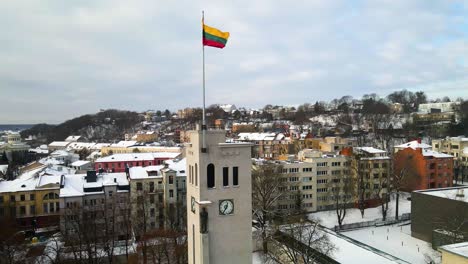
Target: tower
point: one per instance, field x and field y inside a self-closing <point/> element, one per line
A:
<point x="219" y="200"/>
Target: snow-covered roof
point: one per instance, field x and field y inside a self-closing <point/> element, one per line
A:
<point x="72" y="138"/>
<point x="80" y="163"/>
<point x="99" y="146"/>
<point x="260" y="136"/>
<point x="142" y="172"/>
<point x="435" y="154"/>
<point x="414" y="145"/>
<point x="39" y="150"/>
<point x="80" y="145"/>
<point x="74" y="184"/>
<point x="448" y="193"/>
<point x="370" y="150"/>
<point x="460" y="249"/>
<point x="59" y="144"/>
<point x="25" y="182"/>
<point x="124" y="144"/>
<point x="137" y="156"/>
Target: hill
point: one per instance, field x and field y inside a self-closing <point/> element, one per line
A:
<point x="105" y="126"/>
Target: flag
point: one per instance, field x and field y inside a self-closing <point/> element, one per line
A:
<point x="214" y="37"/>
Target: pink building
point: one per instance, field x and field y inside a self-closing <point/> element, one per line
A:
<point x="118" y="162"/>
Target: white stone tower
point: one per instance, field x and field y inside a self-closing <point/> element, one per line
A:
<point x="219" y="200"/>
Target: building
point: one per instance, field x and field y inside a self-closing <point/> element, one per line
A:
<point x="455" y="253"/>
<point x="219" y="218"/>
<point x="415" y="144"/>
<point x="74" y="139"/>
<point x="438" y="107"/>
<point x="439" y="216"/>
<point x="32" y="197"/>
<point x="373" y="175"/>
<point x="82" y="165"/>
<point x="58" y="145"/>
<point x="335" y="144"/>
<point x="95" y="205"/>
<point x="159" y="194"/>
<point x="455" y="146"/>
<point x="266" y="145"/>
<point x="422" y="168"/>
<point x="13" y="145"/>
<point x="118" y="162"/>
<point x="132" y="147"/>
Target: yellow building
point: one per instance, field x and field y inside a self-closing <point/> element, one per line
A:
<point x="32" y="196"/>
<point x="455" y="253"/>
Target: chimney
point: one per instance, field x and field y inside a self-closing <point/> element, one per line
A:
<point x="115" y="180"/>
<point x="91" y="176"/>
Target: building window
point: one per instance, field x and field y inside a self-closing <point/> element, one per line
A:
<point x="225" y="176"/>
<point x="23" y="197"/>
<point x="139" y="186"/>
<point x="22" y="210"/>
<point x="152" y="199"/>
<point x="210" y="174"/>
<point x="12" y="198"/>
<point x="235" y="176"/>
<point x="110" y="193"/>
<point x="171" y="179"/>
<point x="171" y="193"/>
<point x="45" y="208"/>
<point x="1" y="199"/>
<point x="152" y="212"/>
<point x="196" y="174"/>
<point x="32" y="197"/>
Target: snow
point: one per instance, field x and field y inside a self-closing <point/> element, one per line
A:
<point x="353" y="215"/>
<point x="414" y="145"/>
<point x="260" y="136"/>
<point x="124" y="144"/>
<point x="3" y="168"/>
<point x="74" y="184"/>
<point x="460" y="249"/>
<point x="80" y="163"/>
<point x="395" y="240"/>
<point x="137" y="156"/>
<point x="448" y="193"/>
<point x="348" y="252"/>
<point x="370" y="150"/>
<point x="59" y="144"/>
<point x="435" y="154"/>
<point x="25" y="182"/>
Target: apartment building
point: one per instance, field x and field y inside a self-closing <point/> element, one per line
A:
<point x="424" y="168"/>
<point x="266" y="145"/>
<point x="158" y="194"/>
<point x="134" y="146"/>
<point x="454" y="146"/>
<point x="95" y="205"/>
<point x="316" y="177"/>
<point x="32" y="199"/>
<point x="373" y="174"/>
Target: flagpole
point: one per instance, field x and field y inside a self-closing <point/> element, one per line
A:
<point x="203" y="150"/>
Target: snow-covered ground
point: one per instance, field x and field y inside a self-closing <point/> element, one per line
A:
<point x="395" y="240"/>
<point x="353" y="215"/>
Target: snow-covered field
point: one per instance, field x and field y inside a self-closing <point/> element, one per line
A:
<point x="397" y="241"/>
<point x="353" y="215"/>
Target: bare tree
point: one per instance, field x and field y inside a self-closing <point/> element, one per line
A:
<point x="268" y="187"/>
<point x="303" y="242"/>
<point x="343" y="189"/>
<point x="381" y="193"/>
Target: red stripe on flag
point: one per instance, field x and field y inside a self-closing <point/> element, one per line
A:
<point x="212" y="43"/>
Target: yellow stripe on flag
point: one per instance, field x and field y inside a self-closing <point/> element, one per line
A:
<point x="215" y="32"/>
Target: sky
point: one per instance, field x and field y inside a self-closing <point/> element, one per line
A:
<point x="62" y="59"/>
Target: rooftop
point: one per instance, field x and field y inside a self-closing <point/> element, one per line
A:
<point x="448" y="193"/>
<point x="137" y="156"/>
<point x="414" y="145"/>
<point x="74" y="184"/>
<point x="142" y="172"/>
<point x="435" y="154"/>
<point x="460" y="249"/>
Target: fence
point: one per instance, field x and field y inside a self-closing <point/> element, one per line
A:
<point x="376" y="222"/>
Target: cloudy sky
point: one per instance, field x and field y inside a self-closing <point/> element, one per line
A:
<point x="61" y="59"/>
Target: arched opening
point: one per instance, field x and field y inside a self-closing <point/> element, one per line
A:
<point x="210" y="174"/>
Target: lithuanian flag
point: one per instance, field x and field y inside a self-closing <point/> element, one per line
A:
<point x="214" y="37"/>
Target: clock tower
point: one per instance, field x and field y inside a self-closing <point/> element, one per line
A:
<point x="219" y="199"/>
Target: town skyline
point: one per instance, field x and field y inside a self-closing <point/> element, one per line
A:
<point x="67" y="60"/>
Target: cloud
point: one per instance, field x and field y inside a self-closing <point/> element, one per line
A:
<point x="62" y="60"/>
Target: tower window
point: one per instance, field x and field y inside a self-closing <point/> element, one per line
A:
<point x="196" y="174"/>
<point x="226" y="176"/>
<point x="210" y="173"/>
<point x="235" y="176"/>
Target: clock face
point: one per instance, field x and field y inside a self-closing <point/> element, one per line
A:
<point x="226" y="207"/>
<point x="193" y="205"/>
